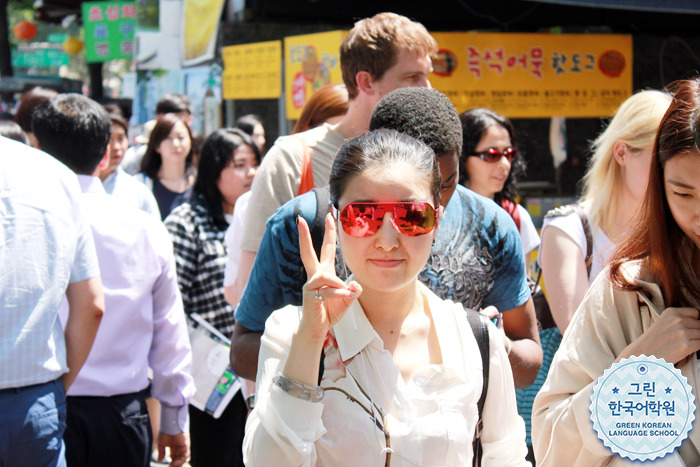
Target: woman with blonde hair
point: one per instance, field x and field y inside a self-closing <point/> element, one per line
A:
<point x="612" y="193"/>
<point x="578" y="240"/>
<point x="645" y="303"/>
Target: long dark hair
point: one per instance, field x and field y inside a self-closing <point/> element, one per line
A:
<point x="656" y="235"/>
<point x="247" y="123"/>
<point x="152" y="160"/>
<point x="475" y="122"/>
<point x="217" y="153"/>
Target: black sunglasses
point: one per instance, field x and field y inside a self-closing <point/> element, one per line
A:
<point x="494" y="155"/>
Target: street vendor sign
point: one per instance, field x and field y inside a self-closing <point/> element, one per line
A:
<point x="310" y="61"/>
<point x="109" y="30"/>
<point x="518" y="75"/>
<point x="535" y="75"/>
<point x="252" y="71"/>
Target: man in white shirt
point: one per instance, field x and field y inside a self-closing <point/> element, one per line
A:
<point x="47" y="251"/>
<point x="120" y="184"/>
<point x="144" y="323"/>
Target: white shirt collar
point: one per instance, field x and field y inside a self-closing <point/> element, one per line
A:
<point x="90" y="184"/>
<point x="354" y="332"/>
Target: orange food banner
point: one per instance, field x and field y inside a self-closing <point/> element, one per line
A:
<point x="535" y="75"/>
<point x="252" y="71"/>
<point x="310" y="61"/>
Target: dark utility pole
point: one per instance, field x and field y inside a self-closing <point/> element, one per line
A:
<point x="96" y="88"/>
<point x="5" y="60"/>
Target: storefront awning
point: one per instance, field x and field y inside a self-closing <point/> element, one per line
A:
<point x="664" y="6"/>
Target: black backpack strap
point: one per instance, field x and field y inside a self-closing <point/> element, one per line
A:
<point x="318" y="229"/>
<point x="589" y="236"/>
<point x="479" y="325"/>
<point x="578" y="209"/>
<point x="318" y="226"/>
<point x="321" y="366"/>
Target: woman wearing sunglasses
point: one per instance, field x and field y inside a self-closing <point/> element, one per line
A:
<point x="378" y="370"/>
<point x="491" y="166"/>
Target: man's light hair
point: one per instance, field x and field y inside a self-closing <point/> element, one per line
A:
<point x="374" y="44"/>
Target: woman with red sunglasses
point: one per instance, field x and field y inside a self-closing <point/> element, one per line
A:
<point x="379" y="369"/>
<point x="491" y="166"/>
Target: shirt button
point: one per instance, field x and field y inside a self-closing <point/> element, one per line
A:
<point x="306" y="448"/>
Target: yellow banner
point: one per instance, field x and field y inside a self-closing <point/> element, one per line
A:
<point x="535" y="75"/>
<point x="201" y="18"/>
<point x="310" y="61"/>
<point x="252" y="71"/>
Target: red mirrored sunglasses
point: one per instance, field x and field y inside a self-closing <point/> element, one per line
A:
<point x="365" y="219"/>
<point x="494" y="155"/>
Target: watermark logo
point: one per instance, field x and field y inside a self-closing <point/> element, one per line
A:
<point x="642" y="408"/>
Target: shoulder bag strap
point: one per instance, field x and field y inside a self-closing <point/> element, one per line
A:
<point x="589" y="236"/>
<point x="307" y="175"/>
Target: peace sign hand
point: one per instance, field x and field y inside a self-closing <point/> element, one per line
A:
<point x="326" y="298"/>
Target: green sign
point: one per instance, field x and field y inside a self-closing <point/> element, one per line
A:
<point x="40" y="58"/>
<point x="57" y="37"/>
<point x="109" y="30"/>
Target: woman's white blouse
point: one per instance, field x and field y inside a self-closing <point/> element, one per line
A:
<point x="429" y="421"/>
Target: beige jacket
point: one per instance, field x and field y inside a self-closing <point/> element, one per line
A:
<point x="607" y="321"/>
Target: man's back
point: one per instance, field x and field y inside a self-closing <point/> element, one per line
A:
<point x="45" y="246"/>
<point x="144" y="321"/>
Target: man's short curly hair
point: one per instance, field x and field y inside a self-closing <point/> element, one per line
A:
<point x="425" y="114"/>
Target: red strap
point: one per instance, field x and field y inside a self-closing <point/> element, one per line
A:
<point x="307" y="175"/>
<point x="512" y="209"/>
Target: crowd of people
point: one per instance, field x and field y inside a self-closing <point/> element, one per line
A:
<point x="370" y="271"/>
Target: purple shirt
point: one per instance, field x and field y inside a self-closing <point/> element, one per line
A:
<point x="144" y="322"/>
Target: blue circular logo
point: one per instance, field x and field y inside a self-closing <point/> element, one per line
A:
<point x="642" y="408"/>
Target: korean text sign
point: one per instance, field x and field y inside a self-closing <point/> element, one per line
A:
<point x="109" y="30"/>
<point x="252" y="71"/>
<point x="535" y="75"/>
